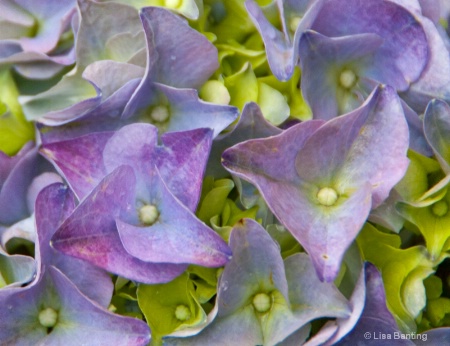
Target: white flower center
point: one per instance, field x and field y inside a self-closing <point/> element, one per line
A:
<point x="347" y="78"/>
<point x="48" y="317"/>
<point x="182" y="313"/>
<point x="327" y="196"/>
<point x="148" y="214"/>
<point x="160" y="114"/>
<point x="262" y="302"/>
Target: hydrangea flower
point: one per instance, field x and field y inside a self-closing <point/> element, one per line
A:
<point x="143" y="205"/>
<point x="262" y="300"/>
<point x="333" y="174"/>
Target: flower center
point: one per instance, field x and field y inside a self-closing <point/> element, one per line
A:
<point x="347" y="79"/>
<point x="148" y="214"/>
<point x="48" y="317"/>
<point x="440" y="208"/>
<point x="327" y="196"/>
<point x="262" y="302"/>
<point x="160" y="114"/>
<point x="173" y="3"/>
<point x="182" y="313"/>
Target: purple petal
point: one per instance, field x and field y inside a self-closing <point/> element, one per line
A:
<point x="177" y="55"/>
<point x="79" y="160"/>
<point x="349" y="150"/>
<point x="181" y="160"/>
<point x="176" y="237"/>
<point x="323" y="59"/>
<point x="405" y="43"/>
<point x="251" y="125"/>
<point x="376" y="318"/>
<point x="54" y="204"/>
<point x="95" y="239"/>
<point x="78" y="317"/>
<point x="436" y="124"/>
<point x="16" y="174"/>
<point x="256" y="266"/>
<point x="434" y="82"/>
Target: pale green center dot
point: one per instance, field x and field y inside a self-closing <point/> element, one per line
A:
<point x="48" y="317"/>
<point x="173" y="3"/>
<point x="327" y="196"/>
<point x="347" y="78"/>
<point x="440" y="208"/>
<point x="148" y="214"/>
<point x="262" y="302"/>
<point x="160" y="114"/>
<point x="294" y="23"/>
<point x="215" y="92"/>
<point x="182" y="313"/>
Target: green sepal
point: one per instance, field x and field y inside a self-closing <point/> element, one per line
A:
<point x="438" y="311"/>
<point x="205" y="282"/>
<point x="124" y="300"/>
<point x="288" y="244"/>
<point x="299" y="109"/>
<point x="403" y="271"/>
<point x="433" y="287"/>
<point x="243" y="87"/>
<point x="15" y="131"/>
<point x="159" y="303"/>
<point x="213" y="199"/>
<point x="415" y="181"/>
<point x="435" y="229"/>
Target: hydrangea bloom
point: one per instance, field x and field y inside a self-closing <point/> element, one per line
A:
<point x="331" y="176"/>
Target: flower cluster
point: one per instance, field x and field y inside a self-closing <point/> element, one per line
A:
<point x="224" y="172"/>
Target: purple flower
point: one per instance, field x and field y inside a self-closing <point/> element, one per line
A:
<point x="143" y="196"/>
<point x="332" y="174"/>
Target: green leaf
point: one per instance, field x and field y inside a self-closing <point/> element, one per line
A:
<point x="170" y="307"/>
<point x="403" y="271"/>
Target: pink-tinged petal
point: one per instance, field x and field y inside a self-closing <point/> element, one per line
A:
<point x="436" y="124"/>
<point x="367" y="145"/>
<point x="90" y="232"/>
<point x="178" y="55"/>
<point x="79" y="160"/>
<point x="132" y="145"/>
<point x="177" y="236"/>
<point x="264" y="156"/>
<point x="181" y="161"/>
<point x="54" y="204"/>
